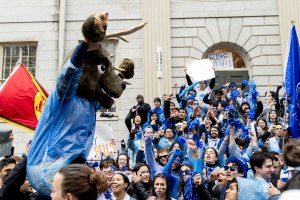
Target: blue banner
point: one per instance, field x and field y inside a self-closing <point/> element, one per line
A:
<point x="292" y="82"/>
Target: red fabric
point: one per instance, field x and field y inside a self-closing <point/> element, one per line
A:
<point x="22" y="99"/>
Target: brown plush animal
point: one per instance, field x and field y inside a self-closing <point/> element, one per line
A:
<point x="102" y="87"/>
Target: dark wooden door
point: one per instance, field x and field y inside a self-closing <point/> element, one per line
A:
<point x="237" y="77"/>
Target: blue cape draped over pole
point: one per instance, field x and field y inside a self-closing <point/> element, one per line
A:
<point x="65" y="130"/>
<point x="292" y="82"/>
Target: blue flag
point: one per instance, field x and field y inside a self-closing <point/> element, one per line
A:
<point x="292" y="82"/>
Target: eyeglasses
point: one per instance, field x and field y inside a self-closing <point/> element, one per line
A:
<point x="185" y="172"/>
<point x="164" y="156"/>
<point x="195" y="103"/>
<point x="231" y="168"/>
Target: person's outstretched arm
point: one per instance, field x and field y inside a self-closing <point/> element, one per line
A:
<point x="15" y="179"/>
<point x="212" y="83"/>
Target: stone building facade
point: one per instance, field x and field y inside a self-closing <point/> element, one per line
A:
<point x="183" y="30"/>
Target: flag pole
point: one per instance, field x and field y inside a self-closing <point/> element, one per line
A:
<point x="18" y="63"/>
<point x="286" y="100"/>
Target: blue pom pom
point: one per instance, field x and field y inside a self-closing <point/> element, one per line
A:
<point x="251" y="114"/>
<point x="195" y="137"/>
<point x="199" y="144"/>
<point x="245" y="133"/>
<point x="181" y="140"/>
<point x="234" y="94"/>
<point x="95" y="164"/>
<point x="124" y="168"/>
<point x="244" y="83"/>
<point x="107" y="194"/>
<point x="193" y="124"/>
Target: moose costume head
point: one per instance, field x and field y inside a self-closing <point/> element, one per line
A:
<point x="99" y="80"/>
<point x="87" y="82"/>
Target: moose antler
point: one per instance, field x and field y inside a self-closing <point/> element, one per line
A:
<point x="125" y="32"/>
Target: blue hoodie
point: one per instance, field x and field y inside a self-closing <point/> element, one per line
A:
<point x="249" y="189"/>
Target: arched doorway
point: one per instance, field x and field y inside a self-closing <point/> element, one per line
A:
<point x="230" y="61"/>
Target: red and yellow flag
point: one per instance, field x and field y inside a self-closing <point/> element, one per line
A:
<point x="22" y="99"/>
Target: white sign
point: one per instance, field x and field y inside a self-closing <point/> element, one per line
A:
<point x="102" y="142"/>
<point x="221" y="60"/>
<point x="159" y="62"/>
<point x="200" y="70"/>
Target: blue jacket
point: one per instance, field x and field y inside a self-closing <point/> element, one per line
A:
<point x="65" y="130"/>
<point x="249" y="189"/>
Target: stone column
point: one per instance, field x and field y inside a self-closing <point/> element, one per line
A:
<point x="156" y="34"/>
<point x="289" y="10"/>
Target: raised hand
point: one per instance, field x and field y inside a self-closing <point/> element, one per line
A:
<point x="191" y="144"/>
<point x="197" y="179"/>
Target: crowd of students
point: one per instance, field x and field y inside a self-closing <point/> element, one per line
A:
<point x="229" y="146"/>
<point x="235" y="145"/>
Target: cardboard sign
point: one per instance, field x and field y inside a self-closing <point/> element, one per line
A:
<point x="221" y="60"/>
<point x="102" y="142"/>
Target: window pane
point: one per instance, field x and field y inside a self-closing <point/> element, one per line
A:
<point x="25" y="61"/>
<point x="7" y="51"/>
<point x="24" y="50"/>
<point x="32" y="51"/>
<point x="15" y="51"/>
<point x="14" y="61"/>
<point x="11" y="55"/>
<point x="6" y="73"/>
<point x="32" y="62"/>
<point x="32" y="71"/>
<point x="7" y="62"/>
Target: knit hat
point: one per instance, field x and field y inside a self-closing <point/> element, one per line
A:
<point x="223" y="86"/>
<point x="157" y="99"/>
<point x="187" y="163"/>
<point x="241" y="162"/>
<point x="140" y="96"/>
<point x="232" y="84"/>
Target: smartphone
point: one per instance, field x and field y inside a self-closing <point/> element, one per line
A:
<point x="274" y="179"/>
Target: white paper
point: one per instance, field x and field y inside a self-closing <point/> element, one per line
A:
<point x="200" y="70"/>
<point x="102" y="142"/>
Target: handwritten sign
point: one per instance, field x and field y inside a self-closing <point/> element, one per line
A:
<point x="102" y="142"/>
<point x="221" y="60"/>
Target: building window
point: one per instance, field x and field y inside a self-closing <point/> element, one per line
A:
<point x="17" y="52"/>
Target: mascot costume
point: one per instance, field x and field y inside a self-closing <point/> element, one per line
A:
<point x="86" y="83"/>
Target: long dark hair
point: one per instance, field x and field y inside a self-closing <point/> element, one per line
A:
<point x="168" y="195"/>
<point x="127" y="159"/>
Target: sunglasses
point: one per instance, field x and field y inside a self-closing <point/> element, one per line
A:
<point x="231" y="168"/>
<point x="185" y="172"/>
<point x="164" y="156"/>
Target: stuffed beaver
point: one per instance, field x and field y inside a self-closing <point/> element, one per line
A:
<point x="86" y="83"/>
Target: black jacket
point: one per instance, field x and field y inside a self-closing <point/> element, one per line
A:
<point x="11" y="187"/>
